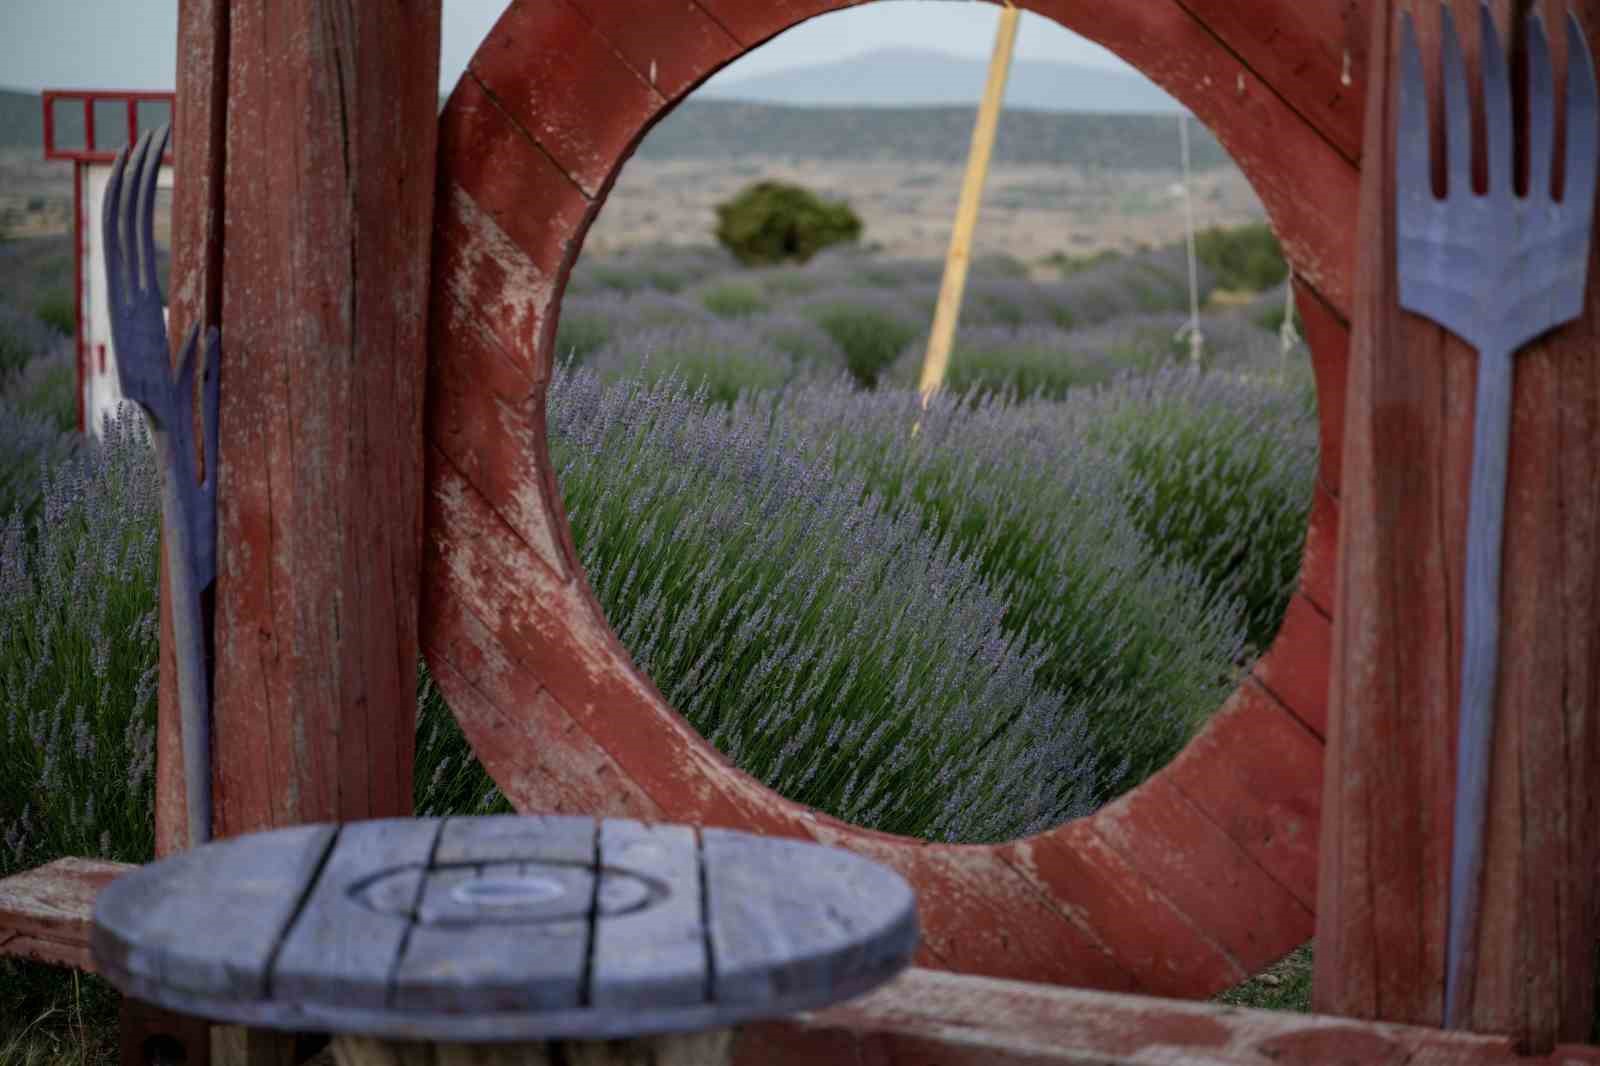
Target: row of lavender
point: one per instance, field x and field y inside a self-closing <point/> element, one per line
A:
<point x="966" y="631"/>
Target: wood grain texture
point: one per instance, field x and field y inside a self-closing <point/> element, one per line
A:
<point x="657" y="956"/>
<point x="328" y="194"/>
<point x="551" y="701"/>
<point x="1397" y="649"/>
<point x="941" y="1019"/>
<point x="195" y="295"/>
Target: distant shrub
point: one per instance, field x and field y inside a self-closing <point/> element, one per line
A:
<point x="58" y="310"/>
<point x="986" y="360"/>
<point x="78" y="659"/>
<point x="775" y="222"/>
<point x="734" y="299"/>
<point x="870" y="327"/>
<point x="716" y="356"/>
<point x="1244" y="257"/>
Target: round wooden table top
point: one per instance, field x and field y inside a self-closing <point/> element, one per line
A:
<point x="503" y="928"/>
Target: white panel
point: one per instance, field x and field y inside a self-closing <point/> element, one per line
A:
<point x="101" y="392"/>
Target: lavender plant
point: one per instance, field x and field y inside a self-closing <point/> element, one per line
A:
<point x="719" y="356"/>
<point x="47" y="386"/>
<point x="589" y="323"/>
<point x="871" y="327"/>
<point x="78" y="643"/>
<point x="836" y="650"/>
<point x="1135" y="644"/>
<point x="1033" y="360"/>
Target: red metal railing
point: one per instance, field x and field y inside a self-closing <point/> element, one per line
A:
<point x="99" y="146"/>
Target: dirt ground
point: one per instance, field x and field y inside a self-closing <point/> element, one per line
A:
<point x="1028" y="212"/>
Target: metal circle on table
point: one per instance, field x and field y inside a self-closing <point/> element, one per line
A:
<point x="503" y="928"/>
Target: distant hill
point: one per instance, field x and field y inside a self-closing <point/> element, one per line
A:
<point x="906" y="77"/>
<point x="724" y="129"/>
<point x="21" y="120"/>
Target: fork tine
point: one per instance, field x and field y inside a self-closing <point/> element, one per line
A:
<point x="1541" y="110"/>
<point x="1413" y="171"/>
<point x="109" y="218"/>
<point x="127" y="217"/>
<point x="149" y="182"/>
<point x="1499" y="151"/>
<point x="1582" y="113"/>
<point x="1457" y="114"/>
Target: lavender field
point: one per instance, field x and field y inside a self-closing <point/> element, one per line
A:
<point x="967" y="623"/>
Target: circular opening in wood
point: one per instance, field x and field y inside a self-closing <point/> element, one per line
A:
<point x="1182" y="887"/>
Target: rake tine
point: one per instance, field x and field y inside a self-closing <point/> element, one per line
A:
<point x="128" y="220"/>
<point x="1499" y="150"/>
<point x="1541" y="101"/>
<point x="1457" y="114"/>
<point x="149" y="182"/>
<point x="1415" y="174"/>
<point x="1582" y="115"/>
<point x="115" y="281"/>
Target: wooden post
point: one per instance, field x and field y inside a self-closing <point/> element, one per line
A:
<point x="1390" y="772"/>
<point x="959" y="258"/>
<point x="303" y="206"/>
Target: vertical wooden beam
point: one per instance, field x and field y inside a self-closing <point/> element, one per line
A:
<point x="328" y="209"/>
<point x="1384" y="885"/>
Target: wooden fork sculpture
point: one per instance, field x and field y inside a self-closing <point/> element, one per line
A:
<point x="188" y="508"/>
<point x="1497" y="270"/>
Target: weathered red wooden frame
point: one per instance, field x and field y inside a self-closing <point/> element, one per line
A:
<point x="1182" y="888"/>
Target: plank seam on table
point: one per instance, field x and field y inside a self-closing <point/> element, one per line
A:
<point x="1054" y="903"/>
<point x="1205" y="813"/>
<point x="1283" y="703"/>
<point x="1162" y="892"/>
<point x="586" y="979"/>
<point x="710" y="982"/>
<point x="1301" y="115"/>
<point x="269" y="968"/>
<point x="490" y="95"/>
<point x="391" y="983"/>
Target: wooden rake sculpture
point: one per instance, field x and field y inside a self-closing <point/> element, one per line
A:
<point x="1497" y="270"/>
<point x="188" y="507"/>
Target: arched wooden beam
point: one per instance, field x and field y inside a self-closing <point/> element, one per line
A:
<point x="1180" y="888"/>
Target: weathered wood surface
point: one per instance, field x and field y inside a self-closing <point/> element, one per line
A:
<point x="941" y="1019"/>
<point x="1397" y="647"/>
<point x="360" y="929"/>
<point x="327" y="201"/>
<point x="551" y="701"/>
<point x="673" y="1049"/>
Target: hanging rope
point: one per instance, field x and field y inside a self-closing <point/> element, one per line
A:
<point x="1191" y="329"/>
<point x="1288" y="333"/>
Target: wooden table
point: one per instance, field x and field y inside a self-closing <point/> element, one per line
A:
<point x="624" y="941"/>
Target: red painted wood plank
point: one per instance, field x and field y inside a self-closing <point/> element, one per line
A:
<point x="195" y="295"/>
<point x="329" y="185"/>
<point x="1308" y="188"/>
<point x="1256" y="772"/>
<point x="1328" y="337"/>
<point x="672" y="49"/>
<point x="1320" y="564"/>
<point x="564" y="85"/>
<point x="754" y="21"/>
<point x="56" y="901"/>
<point x="1295" y="668"/>
<point x="941" y="1019"/>
<point x="1312" y="54"/>
<point x="1397" y="657"/>
<point x="1221" y="888"/>
<point x="1158" y="949"/>
<point x="68" y="955"/>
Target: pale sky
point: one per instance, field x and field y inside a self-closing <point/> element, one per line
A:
<point x="131" y="44"/>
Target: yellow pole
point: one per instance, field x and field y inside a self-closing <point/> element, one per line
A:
<point x="956" y="262"/>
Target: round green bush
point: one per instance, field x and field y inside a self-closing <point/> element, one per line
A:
<point x="774" y="222"/>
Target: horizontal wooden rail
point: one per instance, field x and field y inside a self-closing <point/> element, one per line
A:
<point x="928" y="1017"/>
